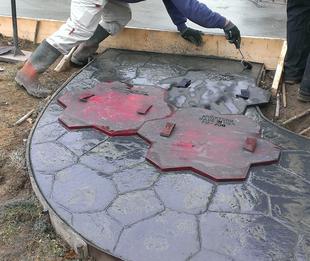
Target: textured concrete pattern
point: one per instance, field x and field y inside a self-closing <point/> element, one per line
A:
<point x="215" y="84"/>
<point x="263" y="19"/>
<point x="220" y="93"/>
<point x="105" y="190"/>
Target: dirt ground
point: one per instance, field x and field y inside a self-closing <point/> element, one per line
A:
<point x="294" y="107"/>
<point x="25" y="231"/>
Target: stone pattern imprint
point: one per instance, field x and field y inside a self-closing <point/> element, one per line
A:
<point x="216" y="84"/>
<point x="113" y="108"/>
<point x="182" y="216"/>
<point x="210" y="144"/>
<point x="220" y="93"/>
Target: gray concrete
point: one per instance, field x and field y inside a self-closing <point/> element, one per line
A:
<point x="267" y="20"/>
<point x="103" y="188"/>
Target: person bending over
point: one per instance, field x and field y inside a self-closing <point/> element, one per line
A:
<point x="92" y="21"/>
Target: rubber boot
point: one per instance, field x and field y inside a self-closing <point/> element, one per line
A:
<point x="41" y="59"/>
<point x="88" y="48"/>
<point x="304" y="90"/>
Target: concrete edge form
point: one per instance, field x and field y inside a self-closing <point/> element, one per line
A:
<point x="256" y="49"/>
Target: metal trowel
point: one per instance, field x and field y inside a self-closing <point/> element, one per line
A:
<point x="246" y="65"/>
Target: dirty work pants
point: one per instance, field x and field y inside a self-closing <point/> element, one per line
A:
<point x="298" y="38"/>
<point x="85" y="16"/>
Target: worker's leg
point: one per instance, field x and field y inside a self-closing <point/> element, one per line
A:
<point x="84" y="18"/>
<point x="304" y="91"/>
<point x="115" y="16"/>
<point x="298" y="38"/>
<point x="39" y="61"/>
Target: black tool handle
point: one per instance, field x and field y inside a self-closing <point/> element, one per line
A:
<point x="17" y="51"/>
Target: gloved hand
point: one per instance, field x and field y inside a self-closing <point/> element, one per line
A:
<point x="193" y="36"/>
<point x="232" y="34"/>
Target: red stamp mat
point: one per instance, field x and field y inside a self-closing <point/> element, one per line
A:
<point x="222" y="147"/>
<point x="114" y="108"/>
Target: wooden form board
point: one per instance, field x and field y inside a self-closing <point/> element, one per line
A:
<point x="279" y="70"/>
<point x="255" y="49"/>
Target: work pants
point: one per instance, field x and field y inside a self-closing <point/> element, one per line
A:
<point x="85" y="16"/>
<point x="298" y="38"/>
<point x="305" y="84"/>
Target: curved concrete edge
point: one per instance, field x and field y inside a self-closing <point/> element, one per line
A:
<point x="83" y="248"/>
<point x="61" y="228"/>
<point x="74" y="240"/>
<point x="260" y="113"/>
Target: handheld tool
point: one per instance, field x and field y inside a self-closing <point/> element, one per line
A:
<point x="64" y="64"/>
<point x="246" y="65"/>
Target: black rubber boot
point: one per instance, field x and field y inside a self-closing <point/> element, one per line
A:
<point x="304" y="90"/>
<point x="40" y="60"/>
<point x="87" y="49"/>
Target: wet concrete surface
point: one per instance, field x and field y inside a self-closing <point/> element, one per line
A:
<point x="266" y="20"/>
<point x="170" y="216"/>
<point x="214" y="84"/>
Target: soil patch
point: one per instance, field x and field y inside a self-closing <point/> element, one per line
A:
<point x="294" y="107"/>
<point x="25" y="231"/>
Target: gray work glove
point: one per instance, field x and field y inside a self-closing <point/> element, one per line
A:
<point x="232" y="34"/>
<point x="193" y="36"/>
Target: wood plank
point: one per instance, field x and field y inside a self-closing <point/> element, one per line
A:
<point x="26" y="27"/>
<point x="279" y="70"/>
<point x="47" y="28"/>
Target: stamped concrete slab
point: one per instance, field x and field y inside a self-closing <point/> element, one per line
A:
<point x="239" y="226"/>
<point x="135" y="206"/>
<point x="220" y="94"/>
<point x="211" y="255"/>
<point x="45" y="182"/>
<point x="297" y="162"/>
<point x="247" y="237"/>
<point x="115" y="154"/>
<point x="135" y="178"/>
<point x="51" y="114"/>
<point x="100" y="228"/>
<point x="81" y="142"/>
<point x="303" y="248"/>
<point x="51" y="157"/>
<point x="294" y="212"/>
<point x="79" y="189"/>
<point x="184" y="192"/>
<point x="239" y="198"/>
<point x="44" y="133"/>
<point x="276" y="181"/>
<point x="141" y="68"/>
<point x="168" y="236"/>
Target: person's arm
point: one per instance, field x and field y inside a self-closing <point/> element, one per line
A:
<point x="198" y="13"/>
<point x="176" y="16"/>
<point x="189" y="34"/>
<point x="202" y="15"/>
